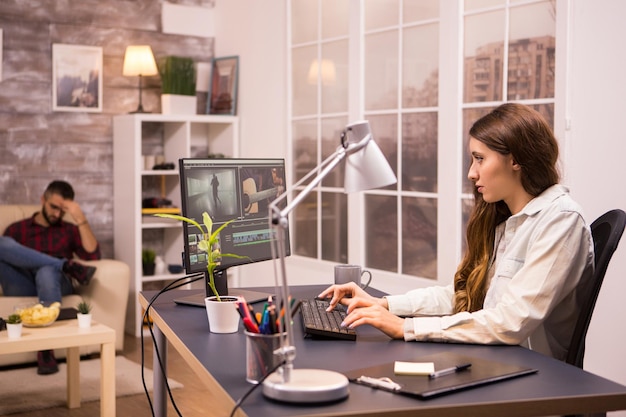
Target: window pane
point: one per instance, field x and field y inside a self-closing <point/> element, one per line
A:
<point x="479" y="4"/>
<point x="381" y="232"/>
<point x="467" y="204"/>
<point x="420" y="66"/>
<point x="419" y="152"/>
<point x="331" y="139"/>
<point x="381" y="71"/>
<point x="385" y="132"/>
<point x="416" y="10"/>
<point x="304" y="90"/>
<point x="381" y="13"/>
<point x="484" y="57"/>
<point x="334" y="77"/>
<point x="305" y="233"/>
<point x="531" y="52"/>
<point x="335" y="227"/>
<point x="335" y="18"/>
<point x="419" y="237"/>
<point x="303" y="21"/>
<point x="304" y="148"/>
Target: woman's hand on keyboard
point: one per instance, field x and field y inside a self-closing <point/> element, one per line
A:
<point x="362" y="311"/>
<point x="343" y="294"/>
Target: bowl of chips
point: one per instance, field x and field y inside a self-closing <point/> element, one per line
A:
<point x="38" y="314"/>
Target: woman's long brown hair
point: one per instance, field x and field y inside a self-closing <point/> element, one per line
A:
<point x="523" y="133"/>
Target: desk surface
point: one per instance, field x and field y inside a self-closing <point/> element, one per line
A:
<point x="558" y="388"/>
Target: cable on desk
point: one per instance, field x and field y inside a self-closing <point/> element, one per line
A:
<point x="171" y="286"/>
<point x="251" y="390"/>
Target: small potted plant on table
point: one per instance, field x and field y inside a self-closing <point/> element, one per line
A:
<point x="84" y="314"/>
<point x="14" y="326"/>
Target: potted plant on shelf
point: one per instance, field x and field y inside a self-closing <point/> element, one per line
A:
<point x="84" y="314"/>
<point x="148" y="257"/>
<point x="221" y="310"/>
<point x="178" y="85"/>
<point x="14" y="326"/>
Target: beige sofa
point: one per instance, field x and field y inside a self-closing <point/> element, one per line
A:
<point x="107" y="292"/>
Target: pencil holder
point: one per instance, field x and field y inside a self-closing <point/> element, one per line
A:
<point x="260" y="358"/>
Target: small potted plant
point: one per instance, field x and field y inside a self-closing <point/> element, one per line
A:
<point x="84" y="314"/>
<point x="178" y="85"/>
<point x="14" y="326"/>
<point x="148" y="257"/>
<point x="228" y="315"/>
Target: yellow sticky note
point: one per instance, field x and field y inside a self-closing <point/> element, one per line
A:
<point x="413" y="368"/>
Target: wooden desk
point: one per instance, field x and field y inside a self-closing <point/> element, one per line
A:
<point x="219" y="361"/>
<point x="66" y="334"/>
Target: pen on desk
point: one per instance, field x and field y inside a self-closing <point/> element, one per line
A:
<point x="448" y="371"/>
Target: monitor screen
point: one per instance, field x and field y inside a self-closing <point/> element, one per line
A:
<point x="230" y="189"/>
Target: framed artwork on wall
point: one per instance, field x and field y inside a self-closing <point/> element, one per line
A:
<point x="76" y="78"/>
<point x="222" y="96"/>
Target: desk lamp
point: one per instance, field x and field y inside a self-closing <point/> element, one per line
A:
<point x="139" y="60"/>
<point x="365" y="168"/>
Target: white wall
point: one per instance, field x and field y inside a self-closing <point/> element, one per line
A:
<point x="595" y="145"/>
<point x="596" y="166"/>
<point x="256" y="31"/>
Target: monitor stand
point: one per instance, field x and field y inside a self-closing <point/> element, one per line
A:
<point x="221" y="283"/>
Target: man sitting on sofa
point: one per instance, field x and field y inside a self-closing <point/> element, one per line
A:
<point x="36" y="254"/>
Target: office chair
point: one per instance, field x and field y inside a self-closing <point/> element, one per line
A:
<point x="606" y="232"/>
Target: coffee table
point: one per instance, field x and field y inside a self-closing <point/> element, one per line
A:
<point x="66" y="334"/>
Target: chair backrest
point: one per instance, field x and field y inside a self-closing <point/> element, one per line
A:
<point x="606" y="232"/>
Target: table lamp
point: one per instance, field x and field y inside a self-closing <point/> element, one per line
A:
<point x="139" y="61"/>
<point x="365" y="168"/>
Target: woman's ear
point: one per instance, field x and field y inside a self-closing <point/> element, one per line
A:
<point x="515" y="165"/>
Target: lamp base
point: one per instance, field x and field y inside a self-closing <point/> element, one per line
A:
<point x="307" y="386"/>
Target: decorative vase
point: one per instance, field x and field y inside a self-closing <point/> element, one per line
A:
<point x="84" y="320"/>
<point x="178" y="104"/>
<point x="14" y="330"/>
<point x="223" y="316"/>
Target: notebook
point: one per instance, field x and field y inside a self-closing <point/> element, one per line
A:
<point x="481" y="372"/>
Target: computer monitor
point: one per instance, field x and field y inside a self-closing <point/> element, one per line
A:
<point x="238" y="189"/>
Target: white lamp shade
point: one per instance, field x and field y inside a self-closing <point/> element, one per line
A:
<point x="366" y="168"/>
<point x="139" y="60"/>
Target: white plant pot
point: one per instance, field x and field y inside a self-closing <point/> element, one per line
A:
<point x="84" y="320"/>
<point x="177" y="104"/>
<point x="223" y="316"/>
<point x="14" y="331"/>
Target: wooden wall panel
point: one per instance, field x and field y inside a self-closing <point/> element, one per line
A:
<point x="38" y="145"/>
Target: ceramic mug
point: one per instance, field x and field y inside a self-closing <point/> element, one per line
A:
<point x="351" y="273"/>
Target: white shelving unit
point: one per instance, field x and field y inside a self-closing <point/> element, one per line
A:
<point x="175" y="137"/>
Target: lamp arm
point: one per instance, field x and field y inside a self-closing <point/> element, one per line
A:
<point x="345" y="149"/>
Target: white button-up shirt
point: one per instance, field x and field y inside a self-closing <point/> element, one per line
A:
<point x="542" y="253"/>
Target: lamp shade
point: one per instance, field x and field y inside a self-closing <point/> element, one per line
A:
<point x="366" y="168"/>
<point x="139" y="60"/>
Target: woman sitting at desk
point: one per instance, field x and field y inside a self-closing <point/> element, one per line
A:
<point x="528" y="248"/>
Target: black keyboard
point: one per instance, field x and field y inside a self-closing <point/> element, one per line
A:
<point x="317" y="322"/>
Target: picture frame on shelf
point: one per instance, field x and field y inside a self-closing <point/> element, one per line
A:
<point x="76" y="78"/>
<point x="223" y="84"/>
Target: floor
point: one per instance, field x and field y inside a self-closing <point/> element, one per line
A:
<point x="194" y="400"/>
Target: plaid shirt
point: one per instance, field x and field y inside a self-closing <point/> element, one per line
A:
<point x="61" y="240"/>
